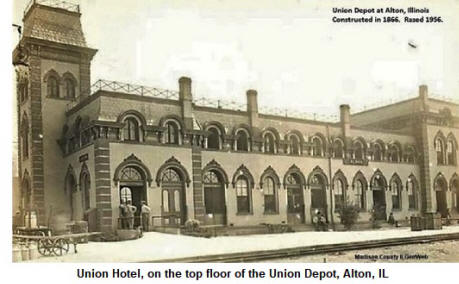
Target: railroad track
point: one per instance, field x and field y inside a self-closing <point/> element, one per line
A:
<point x="254" y="256"/>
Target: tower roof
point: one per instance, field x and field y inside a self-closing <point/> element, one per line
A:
<point x="55" y="21"/>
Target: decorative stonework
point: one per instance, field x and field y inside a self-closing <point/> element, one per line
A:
<point x="175" y="164"/>
<point x="132" y="160"/>
<point x="270" y="172"/>
<point x="214" y="166"/>
<point x="243" y="171"/>
<point x="294" y="170"/>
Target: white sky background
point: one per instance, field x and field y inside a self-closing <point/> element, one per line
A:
<point x="289" y="51"/>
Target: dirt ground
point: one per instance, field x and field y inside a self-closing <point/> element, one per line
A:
<point x="446" y="251"/>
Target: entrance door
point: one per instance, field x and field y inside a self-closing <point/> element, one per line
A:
<point x="378" y="186"/>
<point x="173" y="199"/>
<point x="133" y="189"/>
<point x="440" y="194"/>
<point x="134" y="194"/>
<point x="295" y="200"/>
<point x="441" y="203"/>
<point x="379" y="203"/>
<point x="455" y="190"/>
<point x="214" y="198"/>
<point x="318" y="195"/>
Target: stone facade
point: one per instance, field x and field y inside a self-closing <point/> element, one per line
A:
<point x="91" y="151"/>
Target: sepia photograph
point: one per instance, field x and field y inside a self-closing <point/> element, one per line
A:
<point x="235" y="131"/>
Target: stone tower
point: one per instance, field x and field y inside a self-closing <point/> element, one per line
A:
<point x="53" y="70"/>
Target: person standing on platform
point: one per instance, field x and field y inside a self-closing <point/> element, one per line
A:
<point x="145" y="213"/>
<point x="123" y="215"/>
<point x="131" y="209"/>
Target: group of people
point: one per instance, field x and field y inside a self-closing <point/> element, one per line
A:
<point x="319" y="221"/>
<point x="127" y="213"/>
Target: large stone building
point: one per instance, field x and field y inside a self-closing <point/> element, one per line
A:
<point x="85" y="149"/>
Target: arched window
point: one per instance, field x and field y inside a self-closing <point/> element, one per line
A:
<point x="170" y="176"/>
<point x="411" y="189"/>
<point x="242" y="141"/>
<point x="269" y="146"/>
<point x="269" y="191"/>
<point x="396" y="194"/>
<point x="131" y="129"/>
<point x="440" y="149"/>
<point x="26" y="194"/>
<point x="69" y="89"/>
<point x="359" y="188"/>
<point x="213" y="140"/>
<point x="177" y="200"/>
<point x="451" y="152"/>
<point x="242" y="195"/>
<point x="394" y="153"/>
<point x="359" y="154"/>
<point x="377" y="153"/>
<point x="171" y="133"/>
<point x="23" y="90"/>
<point x="166" y="201"/>
<point x="25" y="137"/>
<point x="125" y="195"/>
<point x="410" y="155"/>
<point x="85" y="184"/>
<point x="53" y="87"/>
<point x="294" y="145"/>
<point x="338" y="193"/>
<point x="317" y="147"/>
<point x="130" y="174"/>
<point x="338" y="149"/>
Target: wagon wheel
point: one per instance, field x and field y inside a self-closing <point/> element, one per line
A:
<point x="45" y="246"/>
<point x="60" y="246"/>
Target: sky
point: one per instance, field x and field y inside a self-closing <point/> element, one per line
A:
<point x="289" y="51"/>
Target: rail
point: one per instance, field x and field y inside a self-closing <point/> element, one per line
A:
<point x="292" y="113"/>
<point x="144" y="91"/>
<point x="255" y="256"/>
<point x="115" y="86"/>
<point x="220" y="104"/>
<point x="72" y="7"/>
<point x="281" y="112"/>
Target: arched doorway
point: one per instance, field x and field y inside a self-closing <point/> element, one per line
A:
<point x="440" y="187"/>
<point x="173" y="208"/>
<point x="378" y="187"/>
<point x="295" y="199"/>
<point x="133" y="189"/>
<point x="317" y="184"/>
<point x="214" y="197"/>
<point x="455" y="191"/>
<point x="26" y="191"/>
<point x="70" y="191"/>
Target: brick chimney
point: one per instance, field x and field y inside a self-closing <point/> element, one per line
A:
<point x="345" y="119"/>
<point x="252" y="107"/>
<point x="424" y="97"/>
<point x="186" y="100"/>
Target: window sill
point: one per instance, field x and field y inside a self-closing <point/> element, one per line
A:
<point x="244" y="213"/>
<point x="396" y="209"/>
<point x="270" y="213"/>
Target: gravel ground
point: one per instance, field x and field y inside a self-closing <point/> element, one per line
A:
<point x="446" y="251"/>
